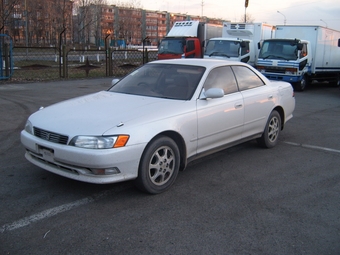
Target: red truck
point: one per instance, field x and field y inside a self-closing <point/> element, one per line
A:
<point x="187" y="39"/>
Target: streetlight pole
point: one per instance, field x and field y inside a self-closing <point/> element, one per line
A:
<point x="324" y="22"/>
<point x="284" y="21"/>
<point x="246" y="2"/>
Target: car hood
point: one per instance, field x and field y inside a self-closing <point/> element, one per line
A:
<point x="97" y="113"/>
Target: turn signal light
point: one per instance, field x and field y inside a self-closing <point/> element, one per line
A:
<point x="121" y="141"/>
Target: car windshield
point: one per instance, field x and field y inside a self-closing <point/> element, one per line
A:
<point x="279" y="49"/>
<point x="161" y="80"/>
<point x="222" y="48"/>
<point x="171" y="46"/>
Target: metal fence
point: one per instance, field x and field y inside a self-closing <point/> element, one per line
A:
<point x="51" y="63"/>
<point x="6" y="60"/>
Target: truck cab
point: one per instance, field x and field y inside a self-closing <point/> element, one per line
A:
<point x="186" y="39"/>
<point x="300" y="54"/>
<point x="180" y="47"/>
<point x="239" y="42"/>
<point x="286" y="59"/>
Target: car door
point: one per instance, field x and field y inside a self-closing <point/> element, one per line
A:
<point x="259" y="100"/>
<point x="220" y="120"/>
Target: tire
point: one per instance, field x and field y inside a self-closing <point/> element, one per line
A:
<point x="159" y="166"/>
<point x="270" y="136"/>
<point x="336" y="82"/>
<point x="301" y="85"/>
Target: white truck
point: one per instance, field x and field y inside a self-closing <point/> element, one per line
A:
<point x="239" y="41"/>
<point x="187" y="39"/>
<point x="300" y="54"/>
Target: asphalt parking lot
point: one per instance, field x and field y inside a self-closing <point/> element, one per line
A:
<point x="243" y="200"/>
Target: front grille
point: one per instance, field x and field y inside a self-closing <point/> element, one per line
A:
<point x="238" y="26"/>
<point x="50" y="136"/>
<point x="274" y="69"/>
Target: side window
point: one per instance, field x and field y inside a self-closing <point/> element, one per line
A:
<point x="245" y="50"/>
<point x="303" y="52"/>
<point x="221" y="77"/>
<point x="246" y="78"/>
<point x="190" y="45"/>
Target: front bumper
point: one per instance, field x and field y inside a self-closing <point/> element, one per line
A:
<point x="78" y="163"/>
<point x="287" y="78"/>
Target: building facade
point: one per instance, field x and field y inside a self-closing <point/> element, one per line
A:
<point x="52" y="22"/>
<point x="37" y="22"/>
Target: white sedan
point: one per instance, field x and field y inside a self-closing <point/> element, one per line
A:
<point x="150" y="124"/>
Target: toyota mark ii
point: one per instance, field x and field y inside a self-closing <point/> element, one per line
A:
<point x="153" y="122"/>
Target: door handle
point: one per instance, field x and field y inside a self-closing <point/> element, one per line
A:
<point x="238" y="105"/>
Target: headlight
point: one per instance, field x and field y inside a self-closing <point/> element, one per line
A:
<point x="29" y="127"/>
<point x="291" y="71"/>
<point x="99" y="142"/>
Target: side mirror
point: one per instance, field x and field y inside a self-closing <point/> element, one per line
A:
<point x="338" y="42"/>
<point x="213" y="93"/>
<point x="243" y="44"/>
<point x="114" y="81"/>
<point x="259" y="45"/>
<point x="299" y="46"/>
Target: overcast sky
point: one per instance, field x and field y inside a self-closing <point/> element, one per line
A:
<point x="294" y="12"/>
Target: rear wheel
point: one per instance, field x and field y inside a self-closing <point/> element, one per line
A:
<point x="271" y="132"/>
<point x="159" y="166"/>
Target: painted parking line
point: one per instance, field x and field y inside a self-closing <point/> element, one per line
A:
<point x="44" y="214"/>
<point x="313" y="147"/>
<point x="57" y="210"/>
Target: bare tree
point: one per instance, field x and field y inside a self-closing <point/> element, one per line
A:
<point x="88" y="19"/>
<point x="129" y="25"/>
<point x="8" y="15"/>
<point x="248" y="18"/>
<point x="64" y="20"/>
<point x="36" y="22"/>
<point x="128" y="4"/>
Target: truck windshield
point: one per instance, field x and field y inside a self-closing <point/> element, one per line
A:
<point x="222" y="48"/>
<point x="171" y="46"/>
<point x="279" y="49"/>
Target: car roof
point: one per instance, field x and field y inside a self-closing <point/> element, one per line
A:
<point x="205" y="62"/>
<point x="209" y="63"/>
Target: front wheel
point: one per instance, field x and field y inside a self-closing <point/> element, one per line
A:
<point x="159" y="166"/>
<point x="336" y="81"/>
<point x="270" y="135"/>
<point x="301" y="85"/>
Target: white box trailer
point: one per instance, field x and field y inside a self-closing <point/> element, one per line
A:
<point x="300" y="54"/>
<point x="239" y="41"/>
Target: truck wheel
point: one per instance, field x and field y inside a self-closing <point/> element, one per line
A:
<point x="301" y="85"/>
<point x="159" y="166"/>
<point x="270" y="135"/>
<point x="336" y="81"/>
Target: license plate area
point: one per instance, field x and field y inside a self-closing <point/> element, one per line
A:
<point x="47" y="153"/>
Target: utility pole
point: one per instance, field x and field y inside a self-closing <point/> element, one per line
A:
<point x="245" y="10"/>
<point x="26" y="28"/>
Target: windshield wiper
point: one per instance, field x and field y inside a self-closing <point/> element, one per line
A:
<point x="219" y="54"/>
<point x="275" y="56"/>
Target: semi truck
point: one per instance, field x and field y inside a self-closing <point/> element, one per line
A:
<point x="239" y="41"/>
<point x="187" y="39"/>
<point x="300" y="54"/>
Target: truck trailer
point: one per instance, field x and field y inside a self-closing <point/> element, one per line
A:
<point x="239" y="41"/>
<point x="300" y="54"/>
<point x="187" y="39"/>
